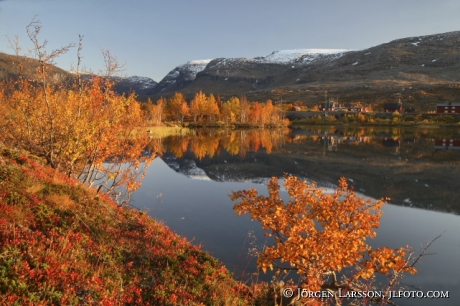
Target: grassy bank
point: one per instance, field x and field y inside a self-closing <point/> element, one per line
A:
<point x="378" y="119"/>
<point x="165" y="131"/>
<point x="61" y="243"/>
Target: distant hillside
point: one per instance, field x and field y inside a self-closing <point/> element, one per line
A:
<point x="12" y="66"/>
<point x="421" y="71"/>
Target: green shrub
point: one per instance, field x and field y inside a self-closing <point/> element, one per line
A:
<point x="409" y="118"/>
<point x="444" y="119"/>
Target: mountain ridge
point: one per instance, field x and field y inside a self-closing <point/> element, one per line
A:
<point x="421" y="70"/>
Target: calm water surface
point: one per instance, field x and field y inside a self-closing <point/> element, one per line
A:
<point x="187" y="188"/>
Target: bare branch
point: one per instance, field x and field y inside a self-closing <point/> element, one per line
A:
<point x="111" y="64"/>
<point x="80" y="47"/>
<point x="33" y="30"/>
<point x="14" y="44"/>
<point x="423" y="252"/>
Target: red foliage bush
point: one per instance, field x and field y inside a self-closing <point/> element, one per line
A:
<point x="62" y="243"/>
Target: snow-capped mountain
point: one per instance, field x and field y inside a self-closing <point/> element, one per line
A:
<point x="421" y="70"/>
<point x="142" y="82"/>
<point x="300" y="55"/>
<point x="274" y="63"/>
<point x="181" y="76"/>
<point x="142" y="86"/>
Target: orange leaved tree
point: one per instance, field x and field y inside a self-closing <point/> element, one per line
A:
<point x="323" y="236"/>
<point x="78" y="126"/>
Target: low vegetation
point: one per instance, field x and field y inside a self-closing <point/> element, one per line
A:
<point x="64" y="244"/>
<point x="395" y="119"/>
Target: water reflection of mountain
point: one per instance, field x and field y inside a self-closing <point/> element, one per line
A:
<point x="219" y="169"/>
<point x="402" y="164"/>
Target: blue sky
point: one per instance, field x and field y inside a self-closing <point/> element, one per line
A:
<point x="153" y="37"/>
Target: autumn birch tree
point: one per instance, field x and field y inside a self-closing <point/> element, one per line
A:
<point x="82" y="128"/>
<point x="244" y="109"/>
<point x="197" y="106"/>
<point x="323" y="236"/>
<point x="184" y="111"/>
<point x="174" y="106"/>
<point x="232" y="109"/>
<point x="212" y="109"/>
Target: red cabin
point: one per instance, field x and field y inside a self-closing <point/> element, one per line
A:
<point x="448" y="108"/>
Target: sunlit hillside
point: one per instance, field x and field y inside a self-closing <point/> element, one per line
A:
<point x="63" y="244"/>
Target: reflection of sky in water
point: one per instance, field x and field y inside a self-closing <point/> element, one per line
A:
<point x="441" y="271"/>
<point x="201" y="210"/>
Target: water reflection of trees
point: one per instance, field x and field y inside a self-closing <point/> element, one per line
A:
<point x="380" y="136"/>
<point x="416" y="143"/>
<point x="209" y="142"/>
<point x="386" y="131"/>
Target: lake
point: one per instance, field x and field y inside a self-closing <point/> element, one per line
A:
<point x="187" y="189"/>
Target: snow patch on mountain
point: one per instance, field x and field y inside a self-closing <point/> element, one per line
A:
<point x="417" y="40"/>
<point x="194" y="67"/>
<point x="199" y="62"/>
<point x="290" y="56"/>
<point x="174" y="74"/>
<point x="143" y="82"/>
<point x="188" y="70"/>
